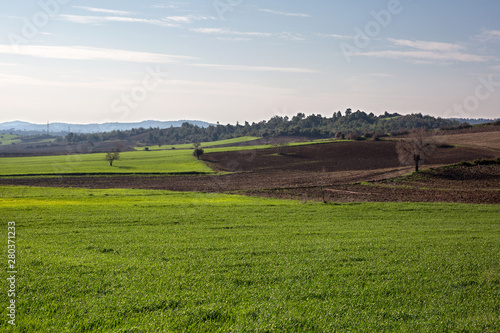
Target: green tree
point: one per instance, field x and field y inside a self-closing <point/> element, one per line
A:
<point x="111" y="157"/>
<point x="198" y="151"/>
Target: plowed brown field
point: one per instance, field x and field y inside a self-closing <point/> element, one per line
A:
<point x="332" y="157"/>
<point x="331" y="172"/>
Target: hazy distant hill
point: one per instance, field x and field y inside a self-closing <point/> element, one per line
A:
<point x="475" y="121"/>
<point x="22" y="126"/>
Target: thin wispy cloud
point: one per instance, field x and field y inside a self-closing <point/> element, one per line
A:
<point x="427" y="46"/>
<point x="22" y="80"/>
<point x="228" y="32"/>
<point x="259" y="68"/>
<point x="494" y="33"/>
<point x="277" y="12"/>
<point x="189" y="18"/>
<point x="90" y="53"/>
<point x="106" y="19"/>
<point x="291" y="36"/>
<point x="426" y="52"/>
<point x="488" y="35"/>
<point x="223" y="31"/>
<point x="225" y="89"/>
<point x="158" y="6"/>
<point x="336" y="36"/>
<point x="234" y="39"/>
<point x="426" y="56"/>
<point x="8" y="64"/>
<point x="171" y="5"/>
<point x="102" y="10"/>
<point x="381" y="75"/>
<point x="169" y="21"/>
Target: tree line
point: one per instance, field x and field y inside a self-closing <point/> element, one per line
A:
<point x="349" y="123"/>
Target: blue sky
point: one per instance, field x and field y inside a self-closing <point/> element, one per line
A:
<point x="237" y="60"/>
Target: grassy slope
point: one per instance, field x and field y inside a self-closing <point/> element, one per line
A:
<point x="291" y="144"/>
<point x="132" y="261"/>
<point x="7" y="139"/>
<point x="159" y="161"/>
<point x="130" y="162"/>
<point x="203" y="144"/>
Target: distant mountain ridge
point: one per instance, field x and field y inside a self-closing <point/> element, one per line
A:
<point x="23" y="126"/>
<point x="475" y="121"/>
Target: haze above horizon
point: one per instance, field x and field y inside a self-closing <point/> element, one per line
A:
<point x="236" y="60"/>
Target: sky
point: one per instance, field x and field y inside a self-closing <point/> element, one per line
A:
<point x="240" y="60"/>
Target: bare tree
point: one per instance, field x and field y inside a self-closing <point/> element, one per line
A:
<point x="418" y="147"/>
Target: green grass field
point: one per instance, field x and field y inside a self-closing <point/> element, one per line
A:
<point x="154" y="161"/>
<point x="129" y="162"/>
<point x="7" y="139"/>
<point x="203" y="144"/>
<point x="155" y="261"/>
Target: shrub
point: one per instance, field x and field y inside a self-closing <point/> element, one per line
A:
<point x="198" y="152"/>
<point x="486" y="162"/>
<point x="465" y="164"/>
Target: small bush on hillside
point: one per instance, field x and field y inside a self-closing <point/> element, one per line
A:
<point x="479" y="162"/>
<point x="487" y="162"/>
<point x="198" y="151"/>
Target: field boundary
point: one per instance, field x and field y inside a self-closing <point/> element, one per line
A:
<point x="87" y="174"/>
